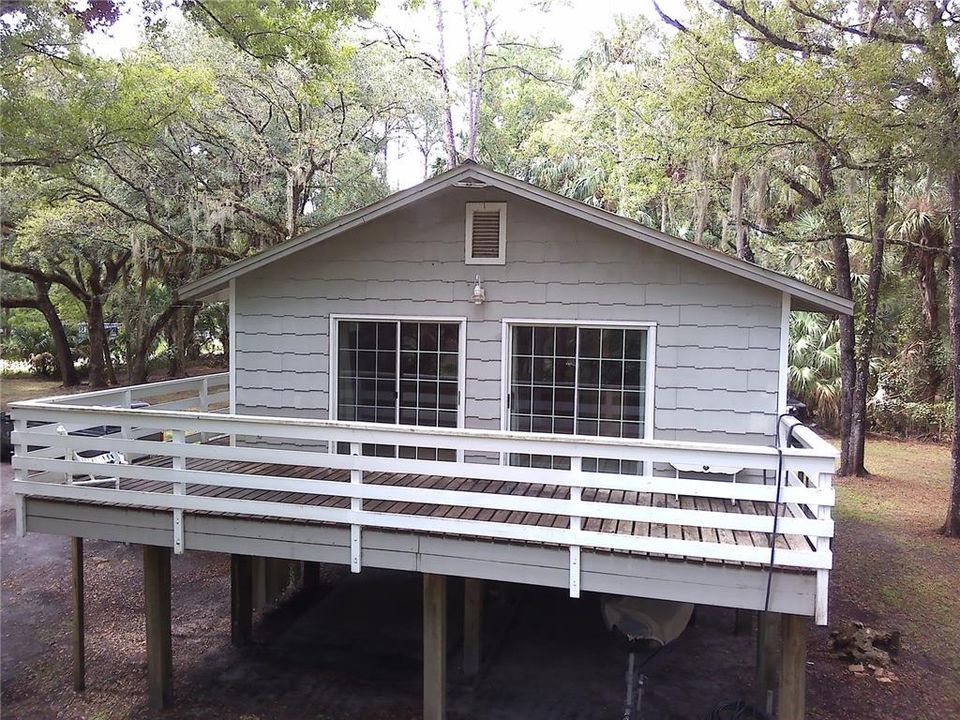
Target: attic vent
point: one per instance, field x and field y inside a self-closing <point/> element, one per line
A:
<point x="486" y="233"/>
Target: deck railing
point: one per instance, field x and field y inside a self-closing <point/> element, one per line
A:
<point x="184" y="422"/>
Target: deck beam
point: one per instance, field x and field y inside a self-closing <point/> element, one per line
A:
<point x="156" y="591"/>
<point x="78" y="629"/>
<point x="791" y="703"/>
<point x="434" y="647"/>
<point x="621" y="574"/>
<point x="241" y="600"/>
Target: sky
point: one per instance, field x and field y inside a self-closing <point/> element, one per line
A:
<point x="569" y="24"/>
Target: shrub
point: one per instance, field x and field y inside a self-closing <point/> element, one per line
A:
<point x="43" y="364"/>
<point x="929" y="420"/>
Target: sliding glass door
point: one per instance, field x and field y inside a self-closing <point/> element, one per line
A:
<point x="400" y="372"/>
<point x="569" y="379"/>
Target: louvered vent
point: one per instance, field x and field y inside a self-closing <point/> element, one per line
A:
<point x="486" y="234"/>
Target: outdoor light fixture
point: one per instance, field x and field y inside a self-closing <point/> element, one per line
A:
<point x="479" y="294"/>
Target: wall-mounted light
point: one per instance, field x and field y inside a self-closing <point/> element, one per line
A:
<point x="479" y="294"/>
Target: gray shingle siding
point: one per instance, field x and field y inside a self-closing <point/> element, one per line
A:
<point x="718" y="335"/>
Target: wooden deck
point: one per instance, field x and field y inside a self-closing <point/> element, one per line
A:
<point x="685" y="539"/>
<point x="639" y="529"/>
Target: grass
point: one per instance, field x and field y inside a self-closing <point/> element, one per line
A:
<point x="892" y="561"/>
<point x="13" y="389"/>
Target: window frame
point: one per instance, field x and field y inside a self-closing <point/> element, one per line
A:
<point x="333" y="349"/>
<point x="506" y="365"/>
<point x="472" y="207"/>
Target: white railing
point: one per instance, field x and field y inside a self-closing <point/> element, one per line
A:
<point x="47" y="461"/>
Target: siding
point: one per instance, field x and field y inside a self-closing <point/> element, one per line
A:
<point x="717" y="335"/>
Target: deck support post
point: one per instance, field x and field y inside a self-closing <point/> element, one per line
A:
<point x="79" y="659"/>
<point x="768" y="660"/>
<point x="311" y="575"/>
<point x="434" y="647"/>
<point x="791" y="703"/>
<point x="241" y="600"/>
<point x="472" y="626"/>
<point x="156" y="591"/>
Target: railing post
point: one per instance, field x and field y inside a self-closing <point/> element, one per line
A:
<point x="576" y="494"/>
<point x="824" y="481"/>
<point x="204" y="401"/>
<point x="19" y="474"/>
<point x="356" y="505"/>
<point x="179" y="488"/>
<point x="127" y="403"/>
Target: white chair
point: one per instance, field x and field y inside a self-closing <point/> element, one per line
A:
<point x="107" y="458"/>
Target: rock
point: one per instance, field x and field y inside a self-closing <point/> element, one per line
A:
<point x="862" y="645"/>
<point x="856" y="668"/>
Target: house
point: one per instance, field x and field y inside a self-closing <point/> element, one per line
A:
<point x="471" y="378"/>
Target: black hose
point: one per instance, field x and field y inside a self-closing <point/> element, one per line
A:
<point x="777" y="506"/>
<point x="737" y="710"/>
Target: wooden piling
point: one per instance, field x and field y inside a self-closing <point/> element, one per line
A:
<point x="434" y="647"/>
<point x="156" y="586"/>
<point x="743" y="622"/>
<point x="472" y="626"/>
<point x="241" y="600"/>
<point x="791" y="703"/>
<point x="79" y="658"/>
<point x="768" y="660"/>
<point x="311" y="575"/>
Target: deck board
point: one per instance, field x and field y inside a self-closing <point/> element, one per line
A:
<point x="530" y="518"/>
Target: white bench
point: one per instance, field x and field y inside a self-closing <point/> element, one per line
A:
<point x="732" y="472"/>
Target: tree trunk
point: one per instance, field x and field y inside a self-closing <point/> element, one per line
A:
<point x="952" y="525"/>
<point x="844" y="287"/>
<point x="97" y="341"/>
<point x="929" y="334"/>
<point x="737" y="201"/>
<point x="191" y="348"/>
<point x="180" y="334"/>
<point x="448" y="137"/>
<point x="61" y="344"/>
<point x="868" y="327"/>
<point x="111" y="371"/>
<point x="701" y="202"/>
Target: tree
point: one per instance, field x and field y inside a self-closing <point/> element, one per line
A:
<point x="797" y="84"/>
<point x="488" y="56"/>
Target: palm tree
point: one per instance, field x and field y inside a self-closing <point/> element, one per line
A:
<point x="922" y="228"/>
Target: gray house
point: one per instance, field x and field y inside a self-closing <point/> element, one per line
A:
<point x="473" y="378"/>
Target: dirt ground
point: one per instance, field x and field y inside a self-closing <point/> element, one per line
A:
<point x="353" y="651"/>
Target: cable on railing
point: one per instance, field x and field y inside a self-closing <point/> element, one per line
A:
<point x="777" y="502"/>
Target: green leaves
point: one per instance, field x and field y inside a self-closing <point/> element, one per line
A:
<point x="280" y="30"/>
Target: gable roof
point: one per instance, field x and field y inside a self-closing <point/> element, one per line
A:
<point x="806" y="297"/>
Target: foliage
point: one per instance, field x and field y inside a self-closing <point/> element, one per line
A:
<point x="766" y="130"/>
